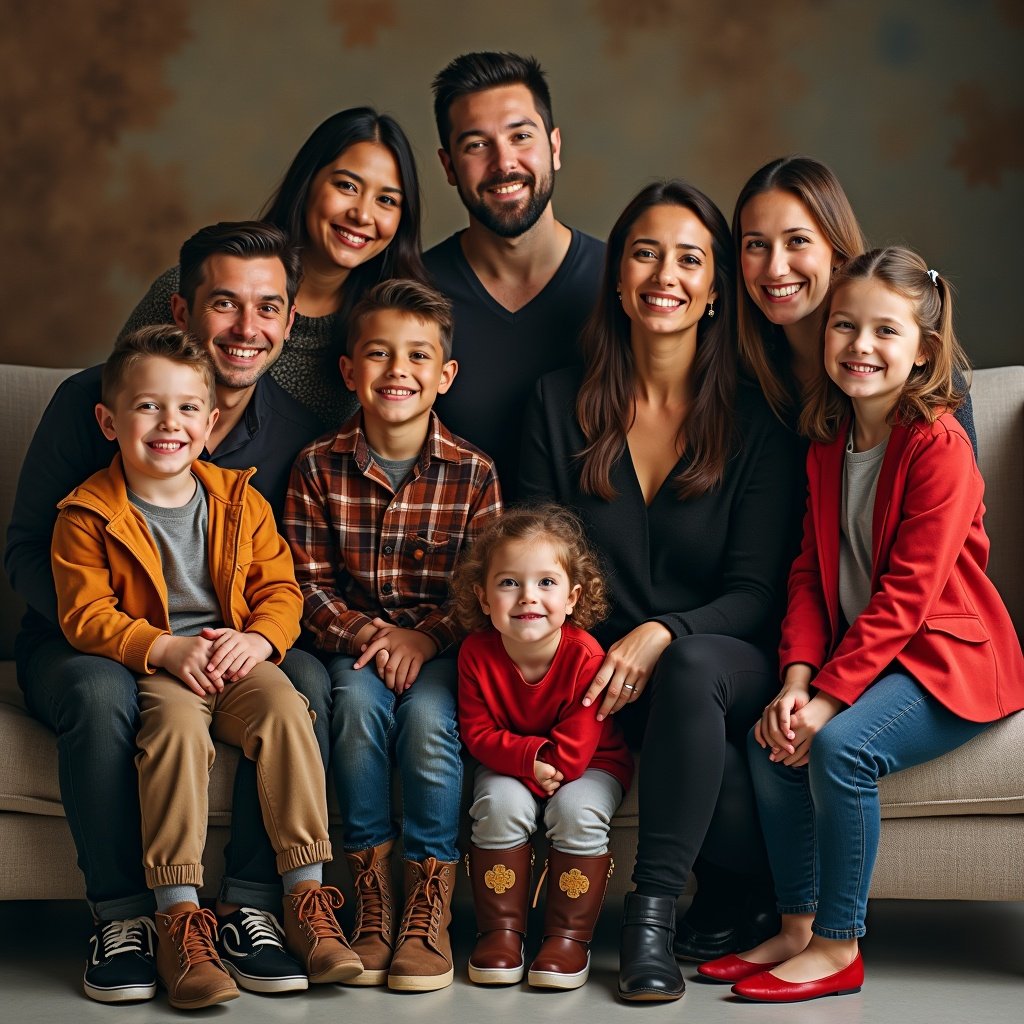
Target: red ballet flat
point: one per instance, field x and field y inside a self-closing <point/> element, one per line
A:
<point x="732" y="968"/>
<point x="766" y="988"/>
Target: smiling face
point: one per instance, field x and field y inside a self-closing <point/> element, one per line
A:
<point x="353" y="208"/>
<point x="397" y="367"/>
<point x="240" y="312"/>
<point x="501" y="159"/>
<point x="667" y="271"/>
<point x="872" y="344"/>
<point x="785" y="258"/>
<point x="161" y="419"/>
<point x="527" y="593"/>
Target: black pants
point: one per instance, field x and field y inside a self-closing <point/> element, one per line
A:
<point x="695" y="794"/>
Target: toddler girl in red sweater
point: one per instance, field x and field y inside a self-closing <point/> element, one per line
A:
<point x="523" y="671"/>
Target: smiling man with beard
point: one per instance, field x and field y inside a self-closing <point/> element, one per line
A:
<point x="521" y="282"/>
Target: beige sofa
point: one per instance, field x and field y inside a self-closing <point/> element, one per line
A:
<point x="953" y="829"/>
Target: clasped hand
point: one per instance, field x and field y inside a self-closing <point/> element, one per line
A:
<point x="548" y="777"/>
<point x="397" y="654"/>
<point x="204" y="663"/>
<point x="790" y="722"/>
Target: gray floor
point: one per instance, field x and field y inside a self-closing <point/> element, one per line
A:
<point x="926" y="962"/>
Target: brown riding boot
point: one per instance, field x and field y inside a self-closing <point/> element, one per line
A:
<point x="314" y="936"/>
<point x="501" y="899"/>
<point x="423" y="958"/>
<point x="187" y="963"/>
<point x="373" y="935"/>
<point x="576" y="888"/>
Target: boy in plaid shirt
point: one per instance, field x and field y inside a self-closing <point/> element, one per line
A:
<point x="376" y="516"/>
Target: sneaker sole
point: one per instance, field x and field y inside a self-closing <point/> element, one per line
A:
<point x="420" y="983"/>
<point x="295" y="983"/>
<point x="126" y="994"/>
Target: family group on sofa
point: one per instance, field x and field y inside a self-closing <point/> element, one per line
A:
<point x="357" y="510"/>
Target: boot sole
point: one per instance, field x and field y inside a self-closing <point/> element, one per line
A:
<point x="210" y="1000"/>
<point x="340" y="973"/>
<point x="650" y="997"/>
<point x="555" y="979"/>
<point x="496" y="975"/>
<point x="419" y="982"/>
<point x="368" y="978"/>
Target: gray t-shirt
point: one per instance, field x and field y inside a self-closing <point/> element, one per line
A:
<point x="396" y="472"/>
<point x="180" y="535"/>
<point x="860" y="481"/>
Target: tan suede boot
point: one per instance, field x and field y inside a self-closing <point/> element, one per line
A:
<point x="423" y="959"/>
<point x="501" y="899"/>
<point x="314" y="936"/>
<point x="576" y="888"/>
<point x="187" y="963"/>
<point x="373" y="935"/>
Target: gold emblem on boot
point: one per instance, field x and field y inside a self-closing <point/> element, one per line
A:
<point x="573" y="883"/>
<point x="500" y="878"/>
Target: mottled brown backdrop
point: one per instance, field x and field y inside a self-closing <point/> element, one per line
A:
<point x="127" y="124"/>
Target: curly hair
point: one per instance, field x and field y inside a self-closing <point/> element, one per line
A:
<point x="544" y="522"/>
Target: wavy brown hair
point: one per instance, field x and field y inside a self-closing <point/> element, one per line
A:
<point x="605" y="405"/>
<point x="540" y="522"/>
<point x="764" y="351"/>
<point x="938" y="386"/>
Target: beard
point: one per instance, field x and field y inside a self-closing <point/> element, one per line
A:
<point x="517" y="218"/>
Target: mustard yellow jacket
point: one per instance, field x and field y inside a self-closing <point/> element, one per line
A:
<point x="111" y="594"/>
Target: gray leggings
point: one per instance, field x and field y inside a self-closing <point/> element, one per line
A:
<point x="577" y="817"/>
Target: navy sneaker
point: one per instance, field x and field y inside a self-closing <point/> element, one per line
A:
<point x="121" y="967"/>
<point x="251" y="948"/>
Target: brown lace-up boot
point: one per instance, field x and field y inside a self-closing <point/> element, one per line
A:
<point x="576" y="888"/>
<point x="187" y="963"/>
<point x="314" y="936"/>
<point x="373" y="936"/>
<point x="501" y="898"/>
<point x="423" y="958"/>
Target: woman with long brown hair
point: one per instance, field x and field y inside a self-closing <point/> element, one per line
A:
<point x="684" y="481"/>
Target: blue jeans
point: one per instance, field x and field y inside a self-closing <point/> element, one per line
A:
<point x="91" y="703"/>
<point x="821" y="822"/>
<point x="371" y="729"/>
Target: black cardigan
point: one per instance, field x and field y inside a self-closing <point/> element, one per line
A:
<point x="712" y="564"/>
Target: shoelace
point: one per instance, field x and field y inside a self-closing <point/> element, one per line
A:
<point x="262" y="927"/>
<point x="424" y="905"/>
<point x="372" y="883"/>
<point x="315" y="909"/>
<point x="127" y="936"/>
<point x="193" y="933"/>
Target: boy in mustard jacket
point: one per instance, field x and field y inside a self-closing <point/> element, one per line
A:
<point x="174" y="568"/>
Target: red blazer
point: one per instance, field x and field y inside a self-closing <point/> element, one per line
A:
<point x="932" y="610"/>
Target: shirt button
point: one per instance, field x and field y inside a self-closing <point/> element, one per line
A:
<point x="388" y="549"/>
<point x="386" y="588"/>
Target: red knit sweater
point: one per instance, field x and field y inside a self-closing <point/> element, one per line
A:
<point x="508" y="723"/>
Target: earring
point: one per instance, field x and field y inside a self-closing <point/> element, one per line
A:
<point x="711" y="308"/>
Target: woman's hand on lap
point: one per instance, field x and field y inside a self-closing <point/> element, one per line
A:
<point x="627" y="667"/>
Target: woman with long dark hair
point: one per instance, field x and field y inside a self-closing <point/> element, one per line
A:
<point x="351" y="200"/>
<point x="684" y="481"/>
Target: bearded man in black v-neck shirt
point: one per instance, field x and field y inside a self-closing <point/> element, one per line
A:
<point x="521" y="282"/>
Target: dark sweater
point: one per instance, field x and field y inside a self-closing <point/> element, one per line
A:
<point x="712" y="564"/>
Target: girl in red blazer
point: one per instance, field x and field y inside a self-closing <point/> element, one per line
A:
<point x="523" y="672"/>
<point x="896" y="647"/>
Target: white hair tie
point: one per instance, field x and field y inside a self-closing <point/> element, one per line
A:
<point x="934" y="275"/>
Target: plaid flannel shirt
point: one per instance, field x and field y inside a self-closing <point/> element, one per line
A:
<point x="362" y="550"/>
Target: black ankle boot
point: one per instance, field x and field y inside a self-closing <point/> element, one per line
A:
<point x="647" y="969"/>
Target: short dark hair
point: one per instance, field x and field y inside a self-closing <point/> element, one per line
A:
<point x="474" y="72"/>
<point x="405" y="296"/>
<point x="164" y="340"/>
<point x="248" y="239"/>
